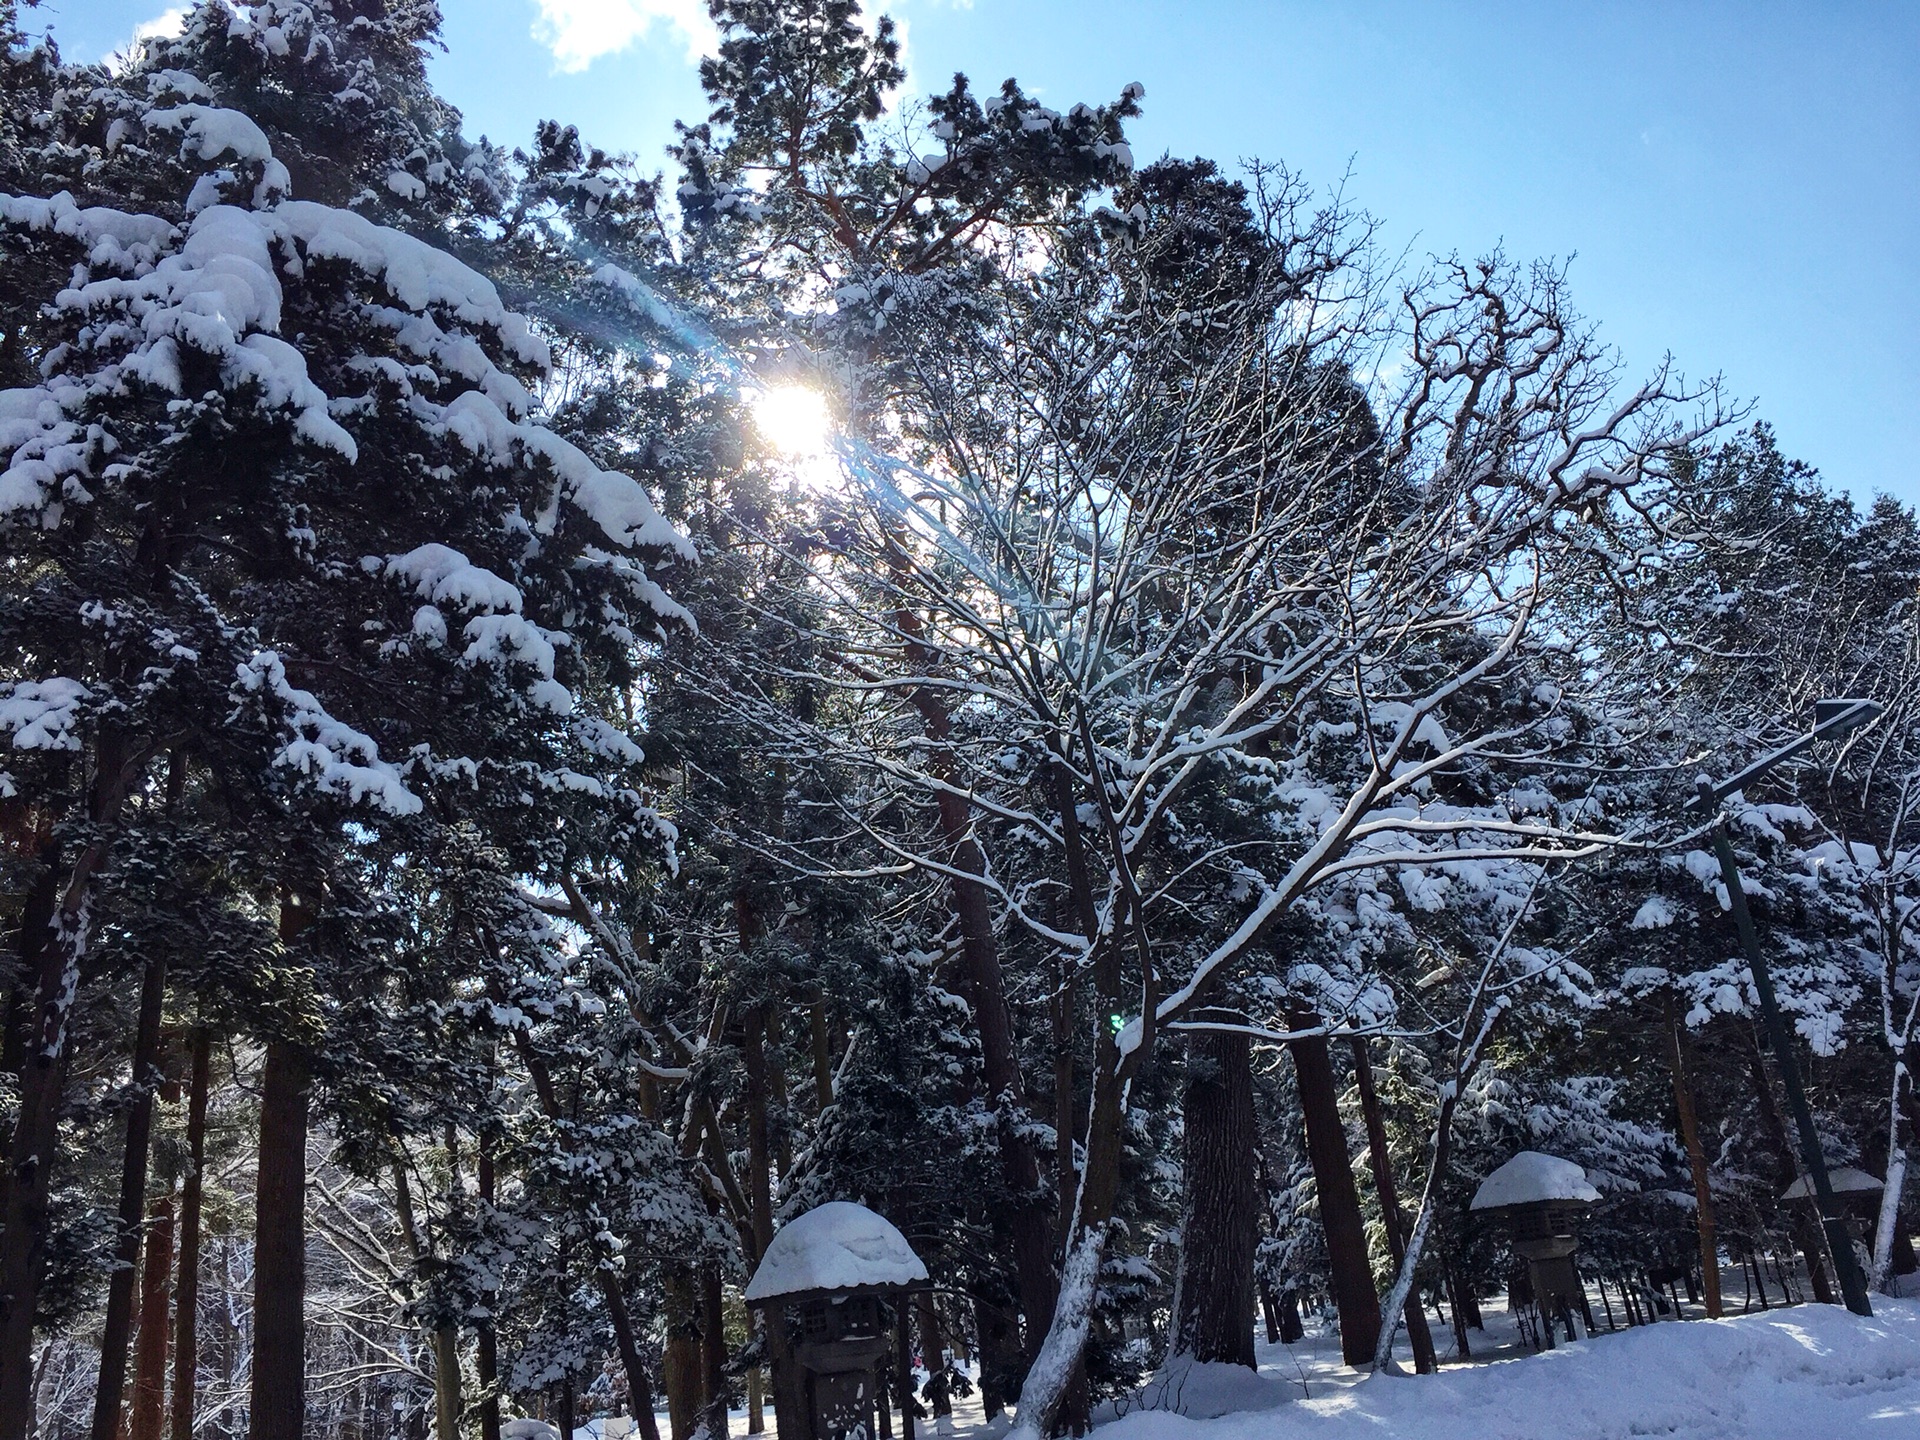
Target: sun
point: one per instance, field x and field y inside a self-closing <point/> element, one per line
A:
<point x="795" y="421"/>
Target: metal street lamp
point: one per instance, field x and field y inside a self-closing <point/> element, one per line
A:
<point x="1831" y="717"/>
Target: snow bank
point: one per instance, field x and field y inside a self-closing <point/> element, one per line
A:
<point x="1530" y="1177"/>
<point x="1206" y="1390"/>
<point x="835" y="1246"/>
<point x="1801" y="1374"/>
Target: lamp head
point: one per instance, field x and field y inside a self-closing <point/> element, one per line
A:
<point x="1844" y="714"/>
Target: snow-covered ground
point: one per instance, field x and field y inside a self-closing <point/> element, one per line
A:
<point x="1809" y="1372"/>
<point x="1801" y="1372"/>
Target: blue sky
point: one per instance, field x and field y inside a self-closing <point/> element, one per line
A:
<point x="1738" y="183"/>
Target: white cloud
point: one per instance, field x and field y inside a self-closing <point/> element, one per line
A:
<point x="578" y="32"/>
<point x="163" y="26"/>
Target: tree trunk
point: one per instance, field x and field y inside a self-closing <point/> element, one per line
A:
<point x="639" y="1387"/>
<point x="1352" y="1278"/>
<point x="278" y="1396"/>
<point x="1216" y="1305"/>
<point x="1056" y="1375"/>
<point x="997" y="1344"/>
<point x="822" y="1053"/>
<point x="1424" y="1360"/>
<point x="279" y="1389"/>
<point x="680" y="1362"/>
<point x="148" y="1412"/>
<point x="713" y="1350"/>
<point x="446" y="1383"/>
<point x="903" y="1366"/>
<point x="789" y="1402"/>
<point x="1270" y="1312"/>
<point x="487" y="1357"/>
<point x="186" y="1324"/>
<point x="118" y="1324"/>
<point x="1020" y="1171"/>
<point x="53" y="940"/>
<point x="442" y="1341"/>
<point x="1032" y="1235"/>
<point x="1806" y="1226"/>
<point x="55" y="963"/>
<point x="1894" y="1176"/>
<point x="1458" y="1305"/>
<point x="1696" y="1162"/>
<point x="1292" y="1330"/>
<point x="1065" y="1177"/>
<point x="933" y="1350"/>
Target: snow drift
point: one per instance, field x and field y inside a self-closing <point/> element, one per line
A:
<point x="1801" y="1374"/>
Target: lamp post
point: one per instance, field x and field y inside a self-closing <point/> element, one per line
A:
<point x="1831" y="717"/>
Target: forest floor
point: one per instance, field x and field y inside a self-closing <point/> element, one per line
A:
<point x="1794" y="1372"/>
<point x="1805" y="1372"/>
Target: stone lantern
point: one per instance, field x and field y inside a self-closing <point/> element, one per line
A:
<point x="828" y="1270"/>
<point x="1541" y="1200"/>
<point x="1858" y="1194"/>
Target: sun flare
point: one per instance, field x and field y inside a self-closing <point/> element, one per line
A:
<point x="794" y="420"/>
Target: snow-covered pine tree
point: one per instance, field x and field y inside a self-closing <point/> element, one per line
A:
<point x="281" y="481"/>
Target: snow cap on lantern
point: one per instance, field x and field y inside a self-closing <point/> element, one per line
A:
<point x="836" y="1246"/>
<point x="1844" y="1179"/>
<point x="1533" y="1178"/>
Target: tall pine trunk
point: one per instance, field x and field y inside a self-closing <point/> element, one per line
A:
<point x="118" y="1325"/>
<point x="1020" y="1172"/>
<point x="53" y="937"/>
<point x="713" y="1349"/>
<point x="1029" y="1222"/>
<point x="1216" y="1311"/>
<point x="1425" y="1362"/>
<point x="487" y="1358"/>
<point x="147" y="1414"/>
<point x="278" y="1397"/>
<point x="639" y="1386"/>
<point x="933" y="1350"/>
<point x="789" y="1408"/>
<point x="680" y="1361"/>
<point x="186" y="1324"/>
<point x="1353" y="1292"/>
<point x="1696" y="1163"/>
<point x="446" y="1382"/>
<point x="1055" y="1383"/>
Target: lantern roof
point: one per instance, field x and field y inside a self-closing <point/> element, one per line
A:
<point x="1844" y="1179"/>
<point x="836" y="1246"/>
<point x="1531" y="1178"/>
